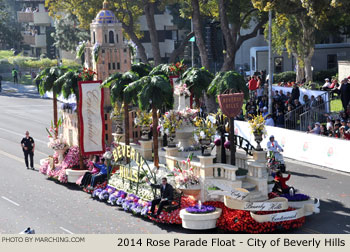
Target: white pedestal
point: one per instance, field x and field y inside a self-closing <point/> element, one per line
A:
<point x="199" y="221"/>
<point x="74" y="175"/>
<point x="146" y="149"/>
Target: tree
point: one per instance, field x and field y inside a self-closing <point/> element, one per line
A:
<point x="230" y="80"/>
<point x="198" y="81"/>
<point x="10" y="34"/>
<point x="68" y="34"/>
<point x="47" y="78"/>
<point x="234" y="16"/>
<point x="153" y="92"/>
<point x="296" y="23"/>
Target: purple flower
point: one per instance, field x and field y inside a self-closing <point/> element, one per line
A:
<point x="296" y="197"/>
<point x="227" y="144"/>
<point x="217" y="141"/>
<point x="204" y="209"/>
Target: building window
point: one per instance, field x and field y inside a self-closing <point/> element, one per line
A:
<point x="109" y="66"/>
<point x="125" y="50"/>
<point x="111" y="37"/>
<point x="125" y="61"/>
<point x="332" y="61"/>
<point x="103" y="50"/>
<point x="113" y="66"/>
<point x="94" y="37"/>
<point x="118" y="65"/>
<point x="106" y="126"/>
<point x="117" y="38"/>
<point x="278" y="63"/>
<point x="105" y="116"/>
<point x="136" y="135"/>
<point x="106" y="38"/>
<point x="106" y="137"/>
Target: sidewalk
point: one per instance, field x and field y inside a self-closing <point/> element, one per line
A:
<point x="10" y="87"/>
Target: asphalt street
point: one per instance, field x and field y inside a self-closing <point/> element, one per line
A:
<point x="28" y="199"/>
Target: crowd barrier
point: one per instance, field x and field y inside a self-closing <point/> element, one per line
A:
<point x="319" y="150"/>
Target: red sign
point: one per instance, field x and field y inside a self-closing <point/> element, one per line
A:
<point x="231" y="104"/>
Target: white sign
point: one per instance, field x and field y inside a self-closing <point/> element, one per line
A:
<point x="91" y="118"/>
<point x="315" y="149"/>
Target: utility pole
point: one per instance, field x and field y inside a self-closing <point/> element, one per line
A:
<point x="270" y="63"/>
<point x="192" y="46"/>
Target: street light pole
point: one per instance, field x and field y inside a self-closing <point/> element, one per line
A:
<point x="192" y="46"/>
<point x="270" y="63"/>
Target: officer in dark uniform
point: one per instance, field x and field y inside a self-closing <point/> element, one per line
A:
<point x="28" y="147"/>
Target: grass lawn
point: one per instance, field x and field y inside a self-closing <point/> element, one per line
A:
<point x="336" y="105"/>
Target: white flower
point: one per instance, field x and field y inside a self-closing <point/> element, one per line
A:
<point x="196" y="138"/>
<point x="107" y="155"/>
<point x="202" y="134"/>
<point x="212" y="119"/>
<point x="167" y="131"/>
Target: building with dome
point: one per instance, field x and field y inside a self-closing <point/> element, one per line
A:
<point x="108" y="42"/>
<point x="113" y="53"/>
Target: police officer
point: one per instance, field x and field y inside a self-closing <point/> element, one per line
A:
<point x="28" y="147"/>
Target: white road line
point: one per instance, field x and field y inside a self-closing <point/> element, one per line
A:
<point x="21" y="135"/>
<point x="66" y="230"/>
<point x="16" y="158"/>
<point x="10" y="201"/>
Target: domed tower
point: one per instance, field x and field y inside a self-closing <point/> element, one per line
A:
<point x="113" y="54"/>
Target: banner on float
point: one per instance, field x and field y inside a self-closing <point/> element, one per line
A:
<point x="275" y="204"/>
<point x="91" y="117"/>
<point x="305" y="210"/>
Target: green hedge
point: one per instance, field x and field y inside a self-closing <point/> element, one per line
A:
<point x="321" y="75"/>
<point x="284" y="76"/>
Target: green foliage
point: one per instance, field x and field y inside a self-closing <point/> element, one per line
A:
<point x="197" y="80"/>
<point x="141" y="69"/>
<point x="47" y="78"/>
<point x="284" y="76"/>
<point x="156" y="92"/>
<point x="322" y="75"/>
<point x="161" y="69"/>
<point x="67" y="84"/>
<point x="225" y="81"/>
<point x="120" y="82"/>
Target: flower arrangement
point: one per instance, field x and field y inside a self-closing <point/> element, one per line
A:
<point x="257" y="125"/>
<point x="184" y="177"/>
<point x="87" y="74"/>
<point x="205" y="128"/>
<point x="182" y="89"/>
<point x="201" y="209"/>
<point x="188" y="115"/>
<point x="118" y="112"/>
<point x="170" y="122"/>
<point x="296" y="197"/>
<point x="177" y="69"/>
<point x="143" y="119"/>
<point x="58" y="143"/>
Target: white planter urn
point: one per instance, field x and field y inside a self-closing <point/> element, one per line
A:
<point x="199" y="221"/>
<point x="74" y="175"/>
<point x="182" y="103"/>
<point x="60" y="155"/>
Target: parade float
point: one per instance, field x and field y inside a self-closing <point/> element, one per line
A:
<point x="215" y="185"/>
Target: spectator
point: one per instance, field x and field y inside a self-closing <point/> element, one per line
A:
<point x="336" y="131"/>
<point x="283" y="97"/>
<point x="312" y="102"/>
<point x="347" y="127"/>
<point x="265" y="112"/>
<point x="280" y="119"/>
<point x="263" y="102"/>
<point x="329" y="124"/>
<point x="260" y="92"/>
<point x="345" y="93"/>
<point x="252" y="86"/>
<point x="295" y="92"/>
<point x="327" y="85"/>
<point x="276" y="96"/>
<point x="323" y="130"/>
<point x="269" y="121"/>
<point x="316" y="129"/>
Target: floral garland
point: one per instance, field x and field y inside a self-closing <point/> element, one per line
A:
<point x="87" y="74"/>
<point x="177" y="69"/>
<point x="201" y="209"/>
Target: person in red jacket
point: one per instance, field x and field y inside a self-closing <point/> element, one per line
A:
<point x="280" y="184"/>
<point x="253" y="86"/>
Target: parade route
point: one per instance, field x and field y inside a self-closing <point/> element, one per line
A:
<point x="28" y="199"/>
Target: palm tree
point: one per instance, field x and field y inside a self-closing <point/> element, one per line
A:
<point x="229" y="80"/>
<point x="198" y="81"/>
<point x="47" y="78"/>
<point x="118" y="82"/>
<point x="151" y="92"/>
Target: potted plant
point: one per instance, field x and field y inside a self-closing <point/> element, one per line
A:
<point x="170" y="122"/>
<point x="144" y="120"/>
<point x="204" y="132"/>
<point x="117" y="117"/>
<point x="57" y="143"/>
<point x="200" y="216"/>
<point x="257" y="125"/>
<point x="241" y="173"/>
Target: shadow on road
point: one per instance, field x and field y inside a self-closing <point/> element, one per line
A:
<point x="306" y="175"/>
<point x="21" y="95"/>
